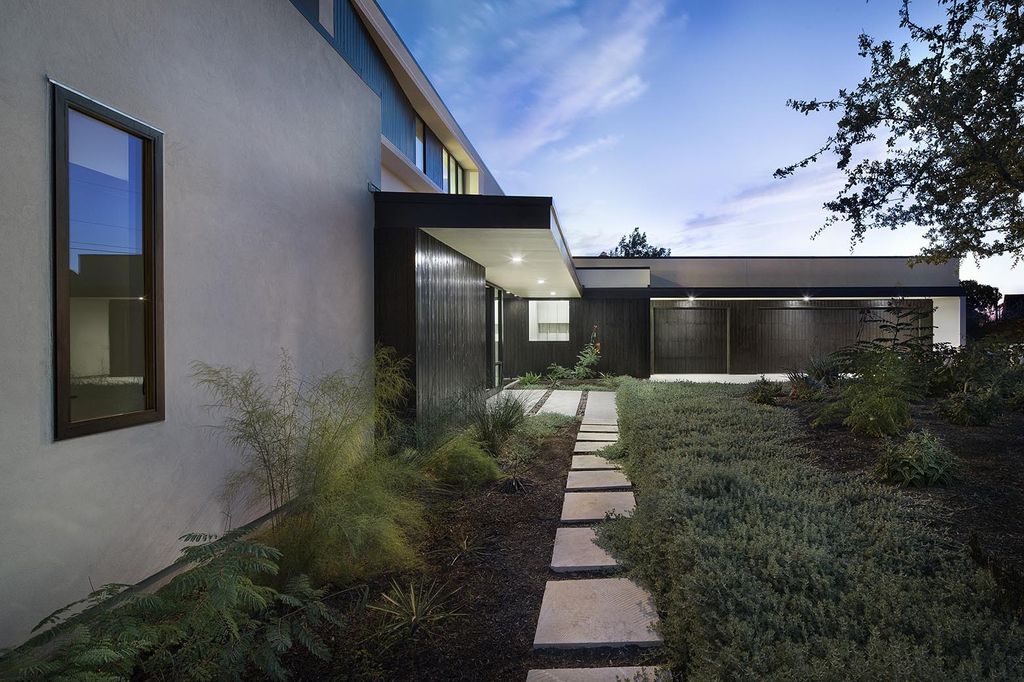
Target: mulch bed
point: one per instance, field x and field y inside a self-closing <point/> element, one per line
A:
<point x="988" y="499"/>
<point x="499" y="593"/>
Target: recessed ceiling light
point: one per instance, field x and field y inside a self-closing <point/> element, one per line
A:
<point x="540" y="281"/>
<point x="517" y="259"/>
<point x="552" y="293"/>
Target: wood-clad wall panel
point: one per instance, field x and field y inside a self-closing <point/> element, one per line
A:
<point x="451" y="324"/>
<point x="623" y="328"/>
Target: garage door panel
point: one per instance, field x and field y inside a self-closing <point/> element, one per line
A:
<point x="690" y="340"/>
<point x="789" y="337"/>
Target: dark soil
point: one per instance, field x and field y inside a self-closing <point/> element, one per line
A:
<point x="987" y="501"/>
<point x="499" y="593"/>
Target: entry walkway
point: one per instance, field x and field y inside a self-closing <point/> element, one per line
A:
<point x="594" y="609"/>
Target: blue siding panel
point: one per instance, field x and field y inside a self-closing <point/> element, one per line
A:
<point x="432" y="150"/>
<point x="354" y="44"/>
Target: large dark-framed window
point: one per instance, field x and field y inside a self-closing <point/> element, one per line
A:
<point x="108" y="268"/>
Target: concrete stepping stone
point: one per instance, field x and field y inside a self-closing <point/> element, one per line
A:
<point x="528" y="397"/>
<point x="628" y="673"/>
<point x="583" y="462"/>
<point x="599" y="428"/>
<point x="586" y="435"/>
<point x="575" y="550"/>
<point x="600" y="479"/>
<point x="600" y="405"/>
<point x="597" y="612"/>
<point x="589" y="446"/>
<point x="594" y="421"/>
<point x="586" y="507"/>
<point x="562" y="402"/>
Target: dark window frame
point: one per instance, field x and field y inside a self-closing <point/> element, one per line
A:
<point x="65" y="100"/>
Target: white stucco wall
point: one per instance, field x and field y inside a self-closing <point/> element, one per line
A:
<point x="270" y="141"/>
<point x="949" y="320"/>
<point x="389" y="182"/>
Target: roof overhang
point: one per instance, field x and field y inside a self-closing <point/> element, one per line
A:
<point x="517" y="239"/>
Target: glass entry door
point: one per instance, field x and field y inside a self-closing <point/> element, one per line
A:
<point x="495" y="336"/>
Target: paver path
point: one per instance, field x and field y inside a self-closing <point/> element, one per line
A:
<point x="597" y="479"/>
<point x="593" y="612"/>
<point x="591" y="435"/>
<point x="562" y="402"/>
<point x="589" y="446"/>
<point x="600" y="405"/>
<point x="576" y="550"/>
<point x="529" y="397"/>
<point x="580" y="462"/>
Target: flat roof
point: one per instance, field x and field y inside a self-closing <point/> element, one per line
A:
<point x="516" y="239"/>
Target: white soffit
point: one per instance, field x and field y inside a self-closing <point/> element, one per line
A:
<point x="541" y="270"/>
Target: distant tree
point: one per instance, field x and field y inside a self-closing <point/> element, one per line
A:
<point x="982" y="300"/>
<point x="952" y="124"/>
<point x="634" y="245"/>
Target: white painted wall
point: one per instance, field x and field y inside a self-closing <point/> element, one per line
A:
<point x="270" y="142"/>
<point x="950" y="320"/>
<point x="389" y="182"/>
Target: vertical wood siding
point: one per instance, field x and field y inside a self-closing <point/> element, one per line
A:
<point x="623" y="327"/>
<point x="353" y="42"/>
<point x="763" y="336"/>
<point x="451" y="324"/>
<point x="691" y="340"/>
<point x="431" y="306"/>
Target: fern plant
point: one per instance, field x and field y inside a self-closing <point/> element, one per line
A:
<point x="876" y="401"/>
<point x="530" y="379"/>
<point x="213" y="621"/>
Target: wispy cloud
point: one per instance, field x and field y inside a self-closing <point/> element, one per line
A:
<point x="535" y="70"/>
<point x="587" y="148"/>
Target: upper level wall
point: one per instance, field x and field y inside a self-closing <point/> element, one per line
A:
<point x="269" y="143"/>
<point x="362" y="34"/>
<point x="784" y="272"/>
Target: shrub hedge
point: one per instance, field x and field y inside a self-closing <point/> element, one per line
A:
<point x="764" y="566"/>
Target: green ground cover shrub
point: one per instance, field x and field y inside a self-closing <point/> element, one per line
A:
<point x="920" y="459"/>
<point x="215" y="621"/>
<point x="530" y="379"/>
<point x="462" y="464"/>
<point x="764" y="566"/>
<point x="323" y="451"/>
<point x="764" y="392"/>
<point x="876" y="400"/>
<point x="497" y="421"/>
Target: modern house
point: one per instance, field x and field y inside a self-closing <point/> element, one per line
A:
<point x="185" y="180"/>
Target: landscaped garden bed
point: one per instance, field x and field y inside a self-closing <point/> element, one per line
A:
<point x="767" y="565"/>
<point x="985" y="501"/>
<point x="421" y="553"/>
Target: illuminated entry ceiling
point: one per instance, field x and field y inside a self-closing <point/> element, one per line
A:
<point x="517" y="239"/>
<point x="524" y="261"/>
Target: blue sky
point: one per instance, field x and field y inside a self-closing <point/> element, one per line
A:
<point x="664" y="114"/>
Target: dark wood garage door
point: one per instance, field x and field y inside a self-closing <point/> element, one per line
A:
<point x="790" y="336"/>
<point x="691" y="340"/>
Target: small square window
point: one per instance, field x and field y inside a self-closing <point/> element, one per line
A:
<point x="549" y="320"/>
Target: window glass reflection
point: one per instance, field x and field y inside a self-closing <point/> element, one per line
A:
<point x="107" y="285"/>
